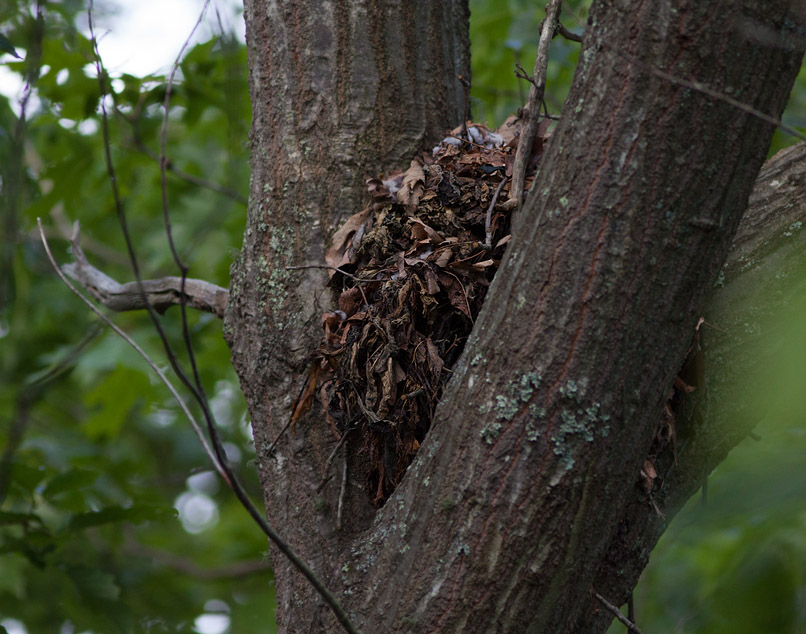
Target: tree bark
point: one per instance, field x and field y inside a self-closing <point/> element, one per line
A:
<point x="524" y="498"/>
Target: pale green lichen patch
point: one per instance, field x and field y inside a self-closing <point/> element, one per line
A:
<point x="532" y="432"/>
<point x="518" y="392"/>
<point x="505" y="407"/>
<point x="490" y="432"/>
<point x="581" y="423"/>
<point x="795" y="226"/>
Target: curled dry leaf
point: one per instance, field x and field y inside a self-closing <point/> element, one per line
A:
<point x="421" y="231"/>
<point x="303" y="403"/>
<point x="347" y="238"/>
<point x="413" y="186"/>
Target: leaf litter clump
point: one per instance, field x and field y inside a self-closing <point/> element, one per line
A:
<point x="409" y="274"/>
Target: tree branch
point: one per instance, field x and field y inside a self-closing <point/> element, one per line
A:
<point x="161" y="294"/>
<point x="532" y="108"/>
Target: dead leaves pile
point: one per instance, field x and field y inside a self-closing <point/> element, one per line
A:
<point x="413" y="271"/>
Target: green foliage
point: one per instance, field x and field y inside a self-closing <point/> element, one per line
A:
<point x="97" y="458"/>
<point x="503" y="34"/>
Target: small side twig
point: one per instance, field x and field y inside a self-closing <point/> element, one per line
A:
<point x="532" y="108"/>
<point x="342" y="491"/>
<point x="568" y="35"/>
<point x="338" y="270"/>
<point x="466" y="105"/>
<point x="617" y="613"/>
<point x="171" y="168"/>
<point x="329" y="268"/>
<point x="521" y="73"/>
<point x="329" y="460"/>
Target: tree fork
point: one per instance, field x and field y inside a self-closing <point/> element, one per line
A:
<point x="505" y="520"/>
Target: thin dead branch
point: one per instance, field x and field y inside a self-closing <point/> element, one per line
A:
<point x="160" y="374"/>
<point x="568" y="35"/>
<point x="531" y="111"/>
<point x="161" y="293"/>
<point x="617" y="613"/>
<point x="221" y="462"/>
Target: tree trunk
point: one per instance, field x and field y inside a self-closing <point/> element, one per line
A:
<point x="341" y="91"/>
<point x="525" y="496"/>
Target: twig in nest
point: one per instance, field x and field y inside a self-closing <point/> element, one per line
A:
<point x="617" y="613"/>
<point x="338" y="270"/>
<point x="489" y="219"/>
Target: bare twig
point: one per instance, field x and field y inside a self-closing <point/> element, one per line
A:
<point x="338" y="270"/>
<point x="531" y="111"/>
<point x="342" y="490"/>
<point x="617" y="613"/>
<point x="170" y="167"/>
<point x="329" y="461"/>
<point x="161" y="294"/>
<point x="183" y="268"/>
<point x="466" y="105"/>
<point x="329" y="268"/>
<point x="160" y="374"/>
<point x="14" y="163"/>
<point x="521" y="73"/>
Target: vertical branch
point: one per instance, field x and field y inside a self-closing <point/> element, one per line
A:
<point x="166" y="217"/>
<point x="13" y="170"/>
<point x="531" y="110"/>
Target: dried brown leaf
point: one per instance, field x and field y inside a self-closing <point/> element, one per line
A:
<point x="413" y="186"/>
<point x="422" y="231"/>
<point x="456" y="294"/>
<point x="431" y="281"/>
<point x="303" y="403"/>
<point x="435" y="362"/>
<point x="347" y="238"/>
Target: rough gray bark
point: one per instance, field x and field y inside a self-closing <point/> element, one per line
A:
<point x="523" y="498"/>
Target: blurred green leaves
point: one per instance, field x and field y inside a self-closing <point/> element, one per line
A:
<point x="93" y="453"/>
